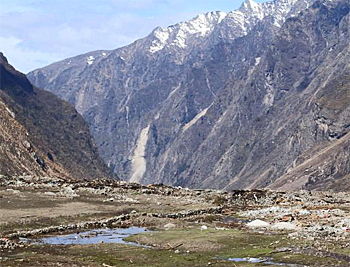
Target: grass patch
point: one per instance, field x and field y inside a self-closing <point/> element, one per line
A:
<point x="198" y="249"/>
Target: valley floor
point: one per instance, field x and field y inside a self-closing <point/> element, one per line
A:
<point x="185" y="227"/>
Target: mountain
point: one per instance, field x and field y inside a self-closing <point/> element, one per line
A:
<point x="240" y="100"/>
<point x="42" y="135"/>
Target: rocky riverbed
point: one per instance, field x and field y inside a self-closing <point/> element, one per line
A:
<point x="200" y="227"/>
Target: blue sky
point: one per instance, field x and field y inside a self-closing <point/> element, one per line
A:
<point x="35" y="33"/>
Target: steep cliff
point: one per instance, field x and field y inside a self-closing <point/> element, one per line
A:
<point x="42" y="135"/>
<point x="233" y="100"/>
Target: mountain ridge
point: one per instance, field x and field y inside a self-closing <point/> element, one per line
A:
<point x="42" y="135"/>
<point x="201" y="117"/>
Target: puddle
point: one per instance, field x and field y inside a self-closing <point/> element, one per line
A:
<point x="95" y="236"/>
<point x="266" y="261"/>
<point x="253" y="260"/>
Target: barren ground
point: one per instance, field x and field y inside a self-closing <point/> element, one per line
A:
<point x="205" y="228"/>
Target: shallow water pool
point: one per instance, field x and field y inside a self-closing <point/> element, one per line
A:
<point x="266" y="261"/>
<point x="116" y="235"/>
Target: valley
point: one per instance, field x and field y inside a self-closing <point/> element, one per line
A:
<point x="222" y="140"/>
<point x="184" y="227"/>
<point x="231" y="100"/>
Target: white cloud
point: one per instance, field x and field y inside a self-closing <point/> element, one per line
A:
<point x="26" y="59"/>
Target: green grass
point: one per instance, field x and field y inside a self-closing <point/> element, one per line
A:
<point x="198" y="249"/>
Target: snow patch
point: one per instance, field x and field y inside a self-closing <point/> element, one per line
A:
<point x="235" y="24"/>
<point x="104" y="54"/>
<point x="138" y="160"/>
<point x="90" y="60"/>
<point x="255" y="9"/>
<point x="157" y="116"/>
<point x="241" y="21"/>
<point x="257" y="60"/>
<point x="178" y="35"/>
<point x="222" y="15"/>
<point x="162" y="36"/>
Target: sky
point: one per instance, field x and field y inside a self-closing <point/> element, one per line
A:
<point x="35" y="33"/>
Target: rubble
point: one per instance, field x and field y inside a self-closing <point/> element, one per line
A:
<point x="6" y="244"/>
<point x="283" y="226"/>
<point x="305" y="215"/>
<point x="308" y="215"/>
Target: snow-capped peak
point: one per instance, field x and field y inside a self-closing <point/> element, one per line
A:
<point x="239" y="22"/>
<point x="177" y="35"/>
<point x="235" y="24"/>
<point x="251" y="6"/>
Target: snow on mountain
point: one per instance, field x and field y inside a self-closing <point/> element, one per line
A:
<point x="90" y="60"/>
<point x="239" y="22"/>
<point x="177" y="35"/>
<point x="217" y="101"/>
<point x="234" y="24"/>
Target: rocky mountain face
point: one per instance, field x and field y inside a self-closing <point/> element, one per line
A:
<point x="253" y="98"/>
<point x="41" y="135"/>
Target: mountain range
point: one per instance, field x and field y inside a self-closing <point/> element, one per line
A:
<point x="257" y="97"/>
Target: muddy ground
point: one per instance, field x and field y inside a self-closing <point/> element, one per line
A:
<point x="186" y="227"/>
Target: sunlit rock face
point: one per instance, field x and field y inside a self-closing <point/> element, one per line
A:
<point x="226" y="100"/>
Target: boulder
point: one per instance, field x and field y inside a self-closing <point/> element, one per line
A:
<point x="169" y="226"/>
<point x="258" y="224"/>
<point x="204" y="227"/>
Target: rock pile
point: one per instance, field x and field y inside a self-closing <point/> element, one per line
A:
<point x="305" y="215"/>
<point x="6" y="244"/>
<point x="311" y="215"/>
